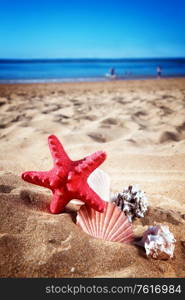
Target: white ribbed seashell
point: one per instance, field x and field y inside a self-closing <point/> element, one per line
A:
<point x="77" y="202"/>
<point x="111" y="225"/>
<point x="158" y="242"/>
<point x="99" y="181"/>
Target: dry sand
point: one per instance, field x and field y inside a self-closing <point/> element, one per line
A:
<point x="141" y="126"/>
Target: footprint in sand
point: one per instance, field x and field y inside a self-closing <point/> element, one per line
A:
<point x="5" y="121"/>
<point x="76" y="102"/>
<point x="166" y="110"/>
<point x="60" y="118"/>
<point x="6" y="189"/>
<point x="12" y="108"/>
<point x="110" y="121"/>
<point x="18" y="118"/>
<point x="51" y="109"/>
<point x="181" y="127"/>
<point x="98" y="137"/>
<point x="119" y="123"/>
<point x="3" y="125"/>
<point x="107" y="133"/>
<point x="161" y="215"/>
<point x="167" y="97"/>
<point x="61" y="92"/>
<point x="140" y="114"/>
<point x="90" y="117"/>
<point x="169" y="136"/>
<point x="3" y="101"/>
<point x="122" y="101"/>
<point x="35" y="199"/>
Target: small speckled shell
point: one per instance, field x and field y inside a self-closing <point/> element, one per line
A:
<point x="132" y="201"/>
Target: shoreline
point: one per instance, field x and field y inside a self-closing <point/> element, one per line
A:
<point x="116" y="83"/>
<point x="84" y="80"/>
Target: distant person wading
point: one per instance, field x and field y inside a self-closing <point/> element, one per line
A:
<point x="112" y="72"/>
<point x="159" y="72"/>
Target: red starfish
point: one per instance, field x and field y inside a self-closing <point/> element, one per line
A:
<point x="68" y="179"/>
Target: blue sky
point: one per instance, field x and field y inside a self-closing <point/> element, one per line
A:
<point x="91" y="28"/>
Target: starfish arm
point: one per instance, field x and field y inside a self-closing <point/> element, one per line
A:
<point x="60" y="157"/>
<point x="90" y="163"/>
<point x="68" y="179"/>
<point x="90" y="197"/>
<point x="38" y="178"/>
<point x="59" y="201"/>
<point x="77" y="162"/>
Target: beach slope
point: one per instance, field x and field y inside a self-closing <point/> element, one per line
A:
<point x="141" y="126"/>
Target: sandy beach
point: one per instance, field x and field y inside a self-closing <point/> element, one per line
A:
<point x="141" y="126"/>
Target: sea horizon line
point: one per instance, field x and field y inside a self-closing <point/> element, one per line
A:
<point x="84" y="59"/>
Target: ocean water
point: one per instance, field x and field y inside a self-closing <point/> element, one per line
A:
<point x="62" y="70"/>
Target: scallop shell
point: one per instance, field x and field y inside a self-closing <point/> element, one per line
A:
<point x="99" y="181"/>
<point x="111" y="225"/>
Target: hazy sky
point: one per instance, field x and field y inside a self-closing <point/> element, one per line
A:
<point x="91" y="28"/>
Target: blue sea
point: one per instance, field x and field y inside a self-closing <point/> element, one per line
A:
<point x="71" y="70"/>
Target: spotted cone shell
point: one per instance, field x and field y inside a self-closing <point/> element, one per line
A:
<point x="111" y="225"/>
